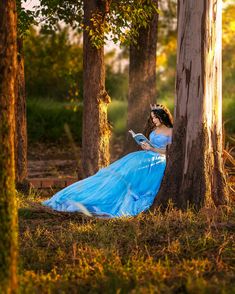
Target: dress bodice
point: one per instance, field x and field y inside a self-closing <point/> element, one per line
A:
<point x="159" y="140"/>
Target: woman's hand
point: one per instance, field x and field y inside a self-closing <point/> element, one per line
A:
<point x="146" y="146"/>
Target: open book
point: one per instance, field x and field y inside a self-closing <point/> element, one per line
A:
<point x="140" y="138"/>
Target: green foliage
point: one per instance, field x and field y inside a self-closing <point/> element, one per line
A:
<point x="50" y="12"/>
<point x="228" y="51"/>
<point x="46" y="120"/>
<point x="116" y="84"/>
<point x="127" y="17"/>
<point x="25" y="19"/>
<point x="229" y="117"/>
<point x="121" y="21"/>
<point x="53" y="65"/>
<point x="117" y="115"/>
<point x="118" y="20"/>
<point x="175" y="252"/>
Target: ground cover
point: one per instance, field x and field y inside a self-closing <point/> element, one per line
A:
<point x="175" y="252"/>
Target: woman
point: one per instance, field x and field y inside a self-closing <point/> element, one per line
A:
<point x="129" y="185"/>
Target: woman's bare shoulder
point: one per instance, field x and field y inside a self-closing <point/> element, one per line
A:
<point x="169" y="131"/>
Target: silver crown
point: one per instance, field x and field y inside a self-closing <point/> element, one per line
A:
<point x="155" y="107"/>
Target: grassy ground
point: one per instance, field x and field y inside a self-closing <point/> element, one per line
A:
<point x="174" y="252"/>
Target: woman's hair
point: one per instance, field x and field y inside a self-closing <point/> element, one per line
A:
<point x="163" y="114"/>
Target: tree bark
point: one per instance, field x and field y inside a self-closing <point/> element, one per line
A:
<point x="21" y="126"/>
<point x="8" y="209"/>
<point x="96" y="132"/>
<point x="194" y="173"/>
<point x="142" y="80"/>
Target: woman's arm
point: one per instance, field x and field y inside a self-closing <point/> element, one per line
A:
<point x="158" y="150"/>
<point x="146" y="146"/>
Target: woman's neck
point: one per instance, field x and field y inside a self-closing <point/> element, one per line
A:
<point x="160" y="128"/>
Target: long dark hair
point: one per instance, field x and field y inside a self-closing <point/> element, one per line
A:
<point x="163" y="114"/>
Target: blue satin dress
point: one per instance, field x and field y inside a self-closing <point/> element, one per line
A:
<point x="126" y="187"/>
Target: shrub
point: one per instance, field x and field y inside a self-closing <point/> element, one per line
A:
<point x="46" y="120"/>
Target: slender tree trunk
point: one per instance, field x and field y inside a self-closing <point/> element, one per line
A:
<point x="142" y="79"/>
<point x="194" y="173"/>
<point x="8" y="212"/>
<point x="21" y="127"/>
<point x="96" y="132"/>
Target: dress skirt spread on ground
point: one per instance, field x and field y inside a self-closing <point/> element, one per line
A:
<point x="126" y="187"/>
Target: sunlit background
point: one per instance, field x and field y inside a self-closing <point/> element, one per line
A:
<point x="53" y="65"/>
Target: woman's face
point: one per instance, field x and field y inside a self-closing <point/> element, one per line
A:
<point x="155" y="120"/>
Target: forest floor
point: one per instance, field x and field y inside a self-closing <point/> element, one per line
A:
<point x="174" y="252"/>
<point x="47" y="160"/>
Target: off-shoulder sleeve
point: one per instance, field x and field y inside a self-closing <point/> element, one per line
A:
<point x="169" y="140"/>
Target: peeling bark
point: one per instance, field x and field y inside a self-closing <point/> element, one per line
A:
<point x="194" y="173"/>
<point x="8" y="208"/>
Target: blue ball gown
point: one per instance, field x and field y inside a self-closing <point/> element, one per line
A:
<point x="126" y="187"/>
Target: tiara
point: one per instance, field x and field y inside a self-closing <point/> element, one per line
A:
<point x="155" y="107"/>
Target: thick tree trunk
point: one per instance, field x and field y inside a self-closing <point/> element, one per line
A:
<point x="8" y="212"/>
<point x="21" y="127"/>
<point x="142" y="80"/>
<point x="194" y="173"/>
<point x="96" y="132"/>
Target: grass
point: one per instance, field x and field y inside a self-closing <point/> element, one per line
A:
<point x="175" y="252"/>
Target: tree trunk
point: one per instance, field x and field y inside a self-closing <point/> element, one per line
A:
<point x="96" y="132"/>
<point x="194" y="173"/>
<point x="8" y="212"/>
<point x="142" y="80"/>
<point x="21" y="127"/>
